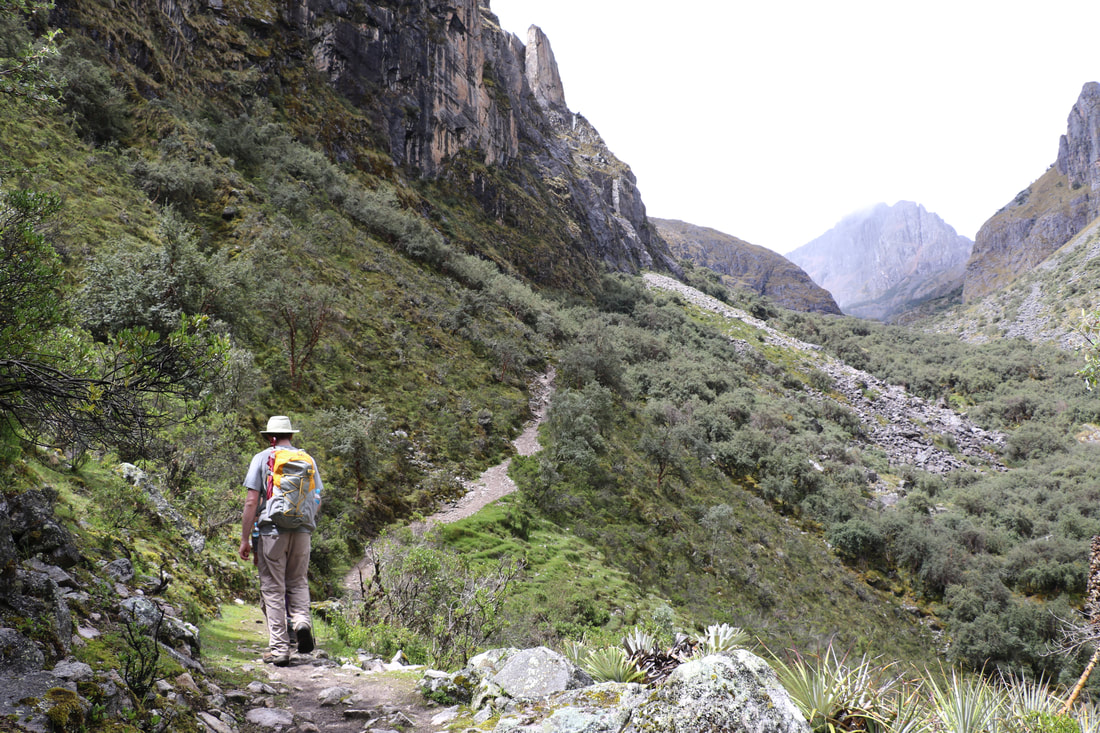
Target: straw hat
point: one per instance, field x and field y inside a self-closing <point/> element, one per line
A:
<point x="278" y="425"/>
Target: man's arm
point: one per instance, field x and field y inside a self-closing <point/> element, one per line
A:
<point x="248" y="519"/>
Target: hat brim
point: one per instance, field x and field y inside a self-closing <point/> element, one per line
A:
<point x="279" y="432"/>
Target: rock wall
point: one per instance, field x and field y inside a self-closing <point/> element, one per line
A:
<point x="445" y="78"/>
<point x="1046" y="214"/>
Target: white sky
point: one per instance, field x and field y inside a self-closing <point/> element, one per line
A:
<point x="773" y="120"/>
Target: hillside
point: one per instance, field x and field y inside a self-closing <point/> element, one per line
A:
<point x="887" y="260"/>
<point x="383" y="221"/>
<point x="746" y="265"/>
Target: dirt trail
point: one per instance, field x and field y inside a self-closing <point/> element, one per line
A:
<point x="390" y="698"/>
<point x="493" y="483"/>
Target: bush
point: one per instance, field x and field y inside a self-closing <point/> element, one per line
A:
<point x="857" y="540"/>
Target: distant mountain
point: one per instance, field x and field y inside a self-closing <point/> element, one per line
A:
<point x="1048" y="213"/>
<point x="746" y="265"/>
<point x="887" y="260"/>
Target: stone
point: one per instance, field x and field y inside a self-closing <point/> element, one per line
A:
<point x="18" y="654"/>
<point x="334" y="695"/>
<point x="162" y="506"/>
<point x="36" y="531"/>
<point x="733" y="693"/>
<point x="539" y="672"/>
<point x="73" y="671"/>
<point x="18" y="693"/>
<point x="121" y="570"/>
<point x="173" y="631"/>
<point x="56" y="574"/>
<point x="213" y="723"/>
<point x="273" y="718"/>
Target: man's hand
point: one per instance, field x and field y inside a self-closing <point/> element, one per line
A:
<point x="245" y="549"/>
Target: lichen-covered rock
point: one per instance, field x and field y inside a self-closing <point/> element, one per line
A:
<point x="172" y="631"/>
<point x="734" y="693"/>
<point x="538" y="672"/>
<point x="18" y="654"/>
<point x="36" y="531"/>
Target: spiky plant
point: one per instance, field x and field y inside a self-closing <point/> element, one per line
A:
<point x="575" y="651"/>
<point x="638" y="642"/>
<point x="611" y="664"/>
<point x="723" y="638"/>
<point x="1087" y="717"/>
<point x="967" y="705"/>
<point x="830" y="694"/>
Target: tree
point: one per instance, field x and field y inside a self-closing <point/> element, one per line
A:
<point x="57" y="385"/>
<point x="21" y="73"/>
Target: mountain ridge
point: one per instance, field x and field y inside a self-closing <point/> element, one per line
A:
<point x="742" y="264"/>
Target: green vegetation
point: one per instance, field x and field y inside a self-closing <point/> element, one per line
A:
<point x="192" y="263"/>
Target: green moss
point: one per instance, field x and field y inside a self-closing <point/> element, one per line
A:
<point x="65" y="711"/>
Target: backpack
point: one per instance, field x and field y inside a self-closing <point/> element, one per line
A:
<point x="292" y="499"/>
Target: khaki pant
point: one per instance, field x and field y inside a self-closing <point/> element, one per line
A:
<point x="283" y="563"/>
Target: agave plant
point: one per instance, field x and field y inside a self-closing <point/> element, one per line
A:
<point x="968" y="705"/>
<point x="575" y="651"/>
<point x="638" y="642"/>
<point x="611" y="664"/>
<point x="832" y="695"/>
<point x="723" y="638"/>
<point x="1088" y="718"/>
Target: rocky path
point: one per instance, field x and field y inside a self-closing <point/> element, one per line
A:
<point x="912" y="431"/>
<point x="317" y="694"/>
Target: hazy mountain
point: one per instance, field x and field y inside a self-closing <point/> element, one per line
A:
<point x="746" y="265"/>
<point x="886" y="260"/>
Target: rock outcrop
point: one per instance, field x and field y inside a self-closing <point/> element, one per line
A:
<point x="734" y="691"/>
<point x="886" y="260"/>
<point x="1048" y="213"/>
<point x="446" y="80"/>
<point x="746" y="265"/>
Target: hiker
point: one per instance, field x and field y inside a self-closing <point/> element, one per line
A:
<point x="284" y="535"/>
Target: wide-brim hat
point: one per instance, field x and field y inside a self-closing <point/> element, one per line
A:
<point x="278" y="425"/>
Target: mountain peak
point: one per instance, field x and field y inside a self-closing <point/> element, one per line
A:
<point x="542" y="70"/>
<point x="886" y="259"/>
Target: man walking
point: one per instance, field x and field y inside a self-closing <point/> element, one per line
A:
<point x="283" y="546"/>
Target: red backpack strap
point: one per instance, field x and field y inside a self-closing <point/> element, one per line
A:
<point x="271" y="470"/>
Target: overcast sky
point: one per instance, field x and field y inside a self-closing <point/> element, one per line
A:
<point x="773" y="120"/>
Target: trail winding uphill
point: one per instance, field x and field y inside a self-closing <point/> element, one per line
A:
<point x="315" y="693"/>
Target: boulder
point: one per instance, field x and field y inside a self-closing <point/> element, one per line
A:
<point x="121" y="570"/>
<point x="739" y="692"/>
<point x="538" y="672"/>
<point x="733" y="693"/>
<point x="173" y="632"/>
<point x="273" y="718"/>
<point x="18" y="654"/>
<point x="37" y="532"/>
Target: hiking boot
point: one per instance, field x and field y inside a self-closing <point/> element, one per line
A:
<point x="305" y="639"/>
<point x="279" y="660"/>
<point x="292" y="634"/>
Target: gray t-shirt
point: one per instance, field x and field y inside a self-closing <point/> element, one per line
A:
<point x="256" y="480"/>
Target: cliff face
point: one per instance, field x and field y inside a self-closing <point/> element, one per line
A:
<point x="1046" y="214"/>
<point x="887" y="260"/>
<point x="747" y="265"/>
<point x="449" y="96"/>
<point x="446" y="79"/>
